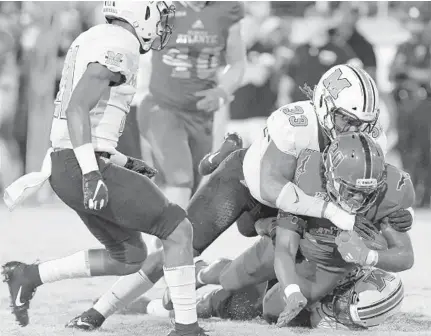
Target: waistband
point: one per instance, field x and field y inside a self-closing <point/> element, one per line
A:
<point x="105" y="155"/>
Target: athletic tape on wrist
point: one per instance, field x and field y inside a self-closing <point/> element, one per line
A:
<point x="86" y="158"/>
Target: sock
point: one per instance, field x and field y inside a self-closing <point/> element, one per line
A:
<point x="181" y="282"/>
<point x="122" y="293"/>
<point x="70" y="267"/>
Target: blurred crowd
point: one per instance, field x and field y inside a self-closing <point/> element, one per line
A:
<point x="288" y="43"/>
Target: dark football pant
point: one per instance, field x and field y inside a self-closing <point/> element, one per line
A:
<point x="135" y="205"/>
<point x="219" y="202"/>
<point x="179" y="140"/>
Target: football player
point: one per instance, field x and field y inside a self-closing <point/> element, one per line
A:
<point x="176" y="117"/>
<point x="354" y="175"/>
<point x="257" y="180"/>
<point x="97" y="86"/>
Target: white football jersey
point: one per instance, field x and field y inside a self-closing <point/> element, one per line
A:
<point x="292" y="128"/>
<point x="118" y="50"/>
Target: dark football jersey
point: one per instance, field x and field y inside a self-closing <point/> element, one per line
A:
<point x="318" y="241"/>
<point x="195" y="52"/>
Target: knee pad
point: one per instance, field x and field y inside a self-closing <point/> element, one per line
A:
<point x="245" y="224"/>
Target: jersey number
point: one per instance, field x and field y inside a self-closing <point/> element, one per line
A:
<point x="66" y="84"/>
<point x="296" y="116"/>
<point x="206" y="65"/>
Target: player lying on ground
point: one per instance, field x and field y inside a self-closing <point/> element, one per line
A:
<point x="260" y="177"/>
<point x="354" y="175"/>
<point x="97" y="86"/>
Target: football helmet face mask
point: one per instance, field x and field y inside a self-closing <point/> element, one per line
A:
<point x="152" y="20"/>
<point x="346" y="99"/>
<point x="367" y="298"/>
<point x="355" y="171"/>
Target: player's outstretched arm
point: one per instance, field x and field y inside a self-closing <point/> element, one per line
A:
<point x="399" y="256"/>
<point x="231" y="77"/>
<point x="277" y="173"/>
<point x="286" y="247"/>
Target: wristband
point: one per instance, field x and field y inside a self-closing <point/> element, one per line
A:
<point x="290" y="289"/>
<point x="293" y="200"/>
<point x="372" y="258"/>
<point x="86" y="158"/>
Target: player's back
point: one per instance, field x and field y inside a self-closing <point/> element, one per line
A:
<point x="118" y="50"/>
<point x="195" y="52"/>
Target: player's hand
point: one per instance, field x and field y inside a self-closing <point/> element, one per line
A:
<point x="295" y="302"/>
<point x="95" y="191"/>
<point x="352" y="248"/>
<point x="340" y="218"/>
<point x="266" y="227"/>
<point x="401" y="220"/>
<point x="140" y="167"/>
<point x="212" y="99"/>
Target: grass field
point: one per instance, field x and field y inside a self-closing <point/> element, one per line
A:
<point x="48" y="232"/>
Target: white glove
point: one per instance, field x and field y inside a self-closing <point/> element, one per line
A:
<point x="339" y="217"/>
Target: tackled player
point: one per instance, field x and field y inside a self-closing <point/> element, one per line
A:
<point x="255" y="182"/>
<point x="96" y="89"/>
<point x="354" y="175"/>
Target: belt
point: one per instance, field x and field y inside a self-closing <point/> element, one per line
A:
<point x="97" y="153"/>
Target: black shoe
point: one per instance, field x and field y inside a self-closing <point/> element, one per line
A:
<point x="21" y="289"/>
<point x="88" y="320"/>
<point x="187" y="330"/>
<point x="211" y="161"/>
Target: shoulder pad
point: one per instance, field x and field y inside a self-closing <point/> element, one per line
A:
<point x="290" y="125"/>
<point x="399" y="193"/>
<point x="119" y="51"/>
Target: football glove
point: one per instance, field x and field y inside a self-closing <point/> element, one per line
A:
<point x="353" y="249"/>
<point x="140" y="167"/>
<point x="401" y="220"/>
<point x="371" y="236"/>
<point x="95" y="191"/>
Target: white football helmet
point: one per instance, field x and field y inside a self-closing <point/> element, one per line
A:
<point x="346" y="99"/>
<point x="368" y="300"/>
<point x="152" y="20"/>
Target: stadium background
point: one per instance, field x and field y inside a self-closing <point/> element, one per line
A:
<point x="34" y="38"/>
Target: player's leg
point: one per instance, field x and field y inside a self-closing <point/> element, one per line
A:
<point x="255" y="265"/>
<point x="219" y="202"/>
<point x="166" y="133"/>
<point x="125" y="253"/>
<point x="137" y="204"/>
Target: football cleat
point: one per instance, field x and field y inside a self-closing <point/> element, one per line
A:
<point x="211" y="304"/>
<point x="21" y="289"/>
<point x="211" y="161"/>
<point x="187" y="330"/>
<point x="294" y="304"/>
<point x="88" y="320"/>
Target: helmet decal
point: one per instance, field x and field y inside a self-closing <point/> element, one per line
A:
<point x="334" y="84"/>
